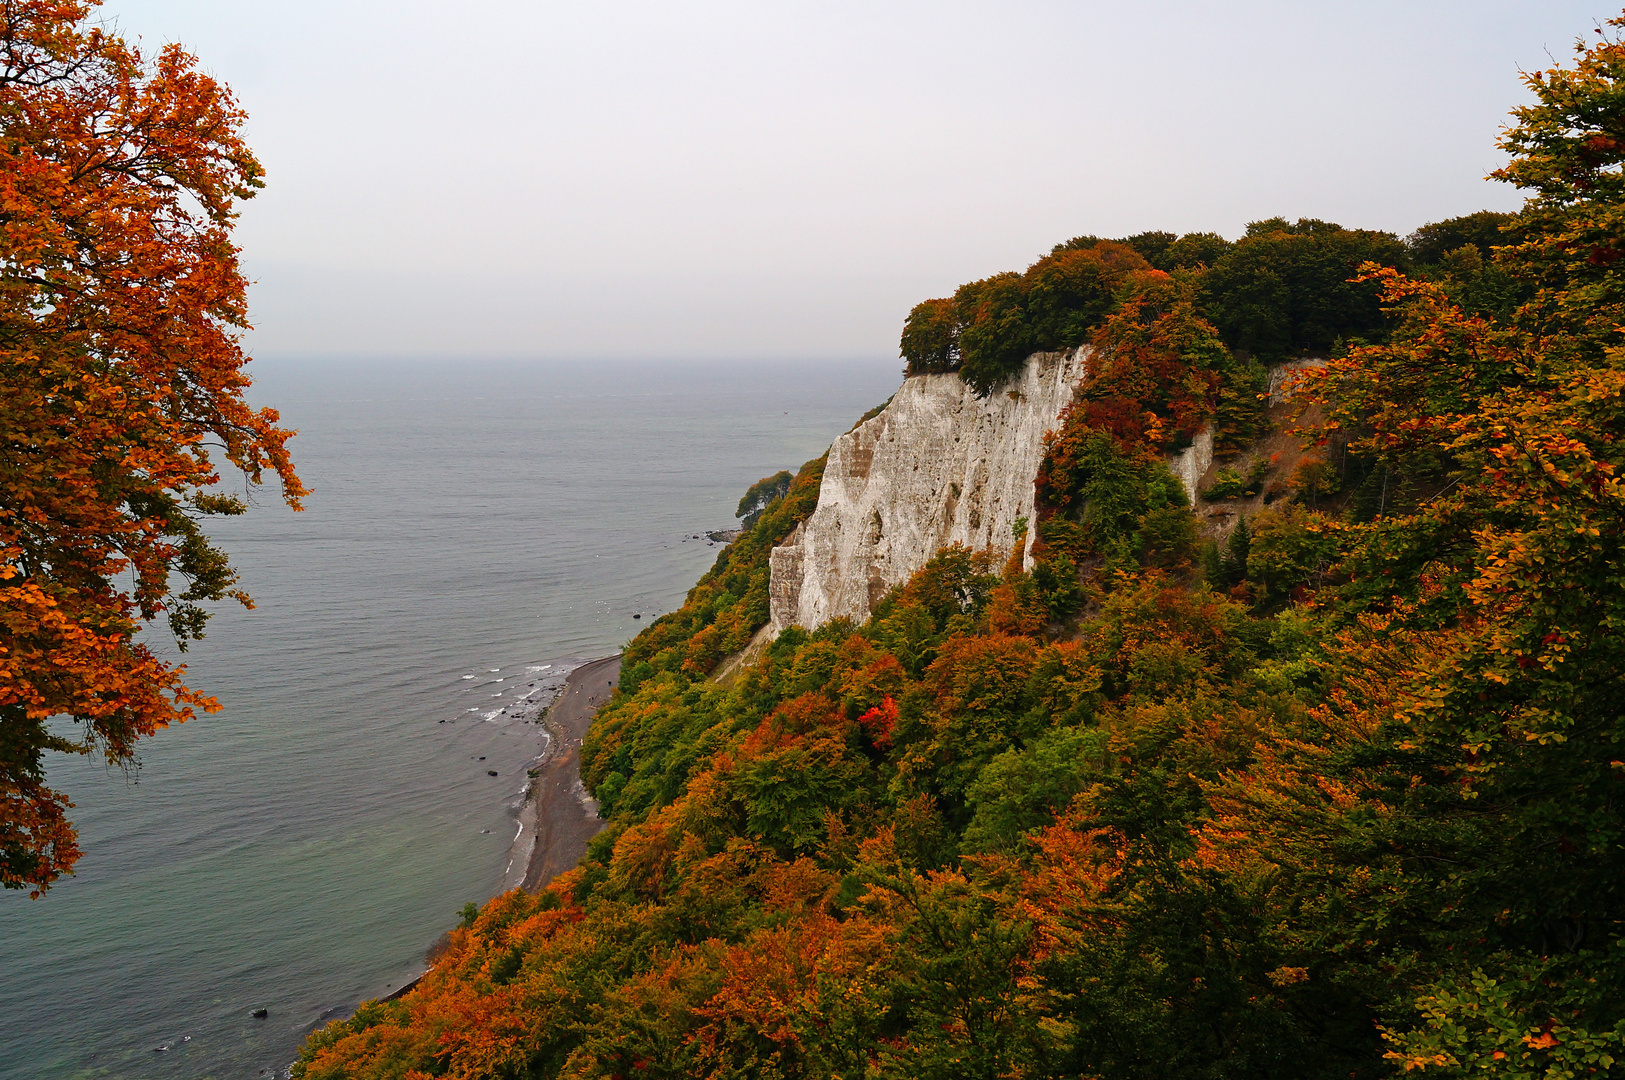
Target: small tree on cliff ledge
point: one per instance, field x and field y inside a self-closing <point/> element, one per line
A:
<point x="121" y="391"/>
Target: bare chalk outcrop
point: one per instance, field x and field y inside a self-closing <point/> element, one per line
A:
<point x="937" y="466"/>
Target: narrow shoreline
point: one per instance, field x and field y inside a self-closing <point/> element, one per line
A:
<point x="559" y="814"/>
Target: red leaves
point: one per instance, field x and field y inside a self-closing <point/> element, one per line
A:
<point x="878" y="722"/>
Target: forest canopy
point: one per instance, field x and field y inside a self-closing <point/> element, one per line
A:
<point x="1284" y="289"/>
<point x="1338" y="797"/>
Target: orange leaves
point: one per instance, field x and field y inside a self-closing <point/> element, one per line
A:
<point x="866" y="686"/>
<point x="978" y="674"/>
<point x="1159" y="368"/>
<point x="790" y="993"/>
<point x="643" y="853"/>
<point x="121" y="302"/>
<point x="36" y="839"/>
<point x="60" y="656"/>
<point x="809" y="719"/>
<point x="1073" y="870"/>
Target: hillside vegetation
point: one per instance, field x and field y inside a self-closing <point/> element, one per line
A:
<point x="1338" y="797"/>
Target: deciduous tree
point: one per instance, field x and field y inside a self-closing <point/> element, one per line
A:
<point x="121" y="396"/>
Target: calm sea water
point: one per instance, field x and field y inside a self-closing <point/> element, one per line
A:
<point x="300" y="849"/>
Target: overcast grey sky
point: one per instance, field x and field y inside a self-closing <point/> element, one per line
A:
<point x="720" y="179"/>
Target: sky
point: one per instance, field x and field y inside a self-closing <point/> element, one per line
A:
<point x="719" y="179"/>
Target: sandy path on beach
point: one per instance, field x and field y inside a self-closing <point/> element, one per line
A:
<point x="563" y="816"/>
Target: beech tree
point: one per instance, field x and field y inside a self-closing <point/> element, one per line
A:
<point x="121" y="397"/>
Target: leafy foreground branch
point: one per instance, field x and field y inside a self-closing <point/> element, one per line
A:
<point x="121" y="396"/>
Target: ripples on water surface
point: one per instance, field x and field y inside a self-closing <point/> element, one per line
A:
<point x="300" y="849"/>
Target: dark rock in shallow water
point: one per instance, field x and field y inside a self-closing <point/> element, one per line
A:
<point x="260" y="1014"/>
<point x="490" y="772"/>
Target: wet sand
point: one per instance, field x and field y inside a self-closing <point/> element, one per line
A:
<point x="564" y="818"/>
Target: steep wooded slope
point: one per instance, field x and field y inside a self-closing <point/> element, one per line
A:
<point x="1338" y="799"/>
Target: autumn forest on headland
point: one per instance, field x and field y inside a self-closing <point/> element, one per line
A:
<point x="1332" y="794"/>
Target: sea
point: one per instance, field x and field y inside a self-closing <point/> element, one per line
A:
<point x="476" y="528"/>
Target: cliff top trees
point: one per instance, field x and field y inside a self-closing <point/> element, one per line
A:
<point x="1284" y="288"/>
<point x="1567" y="150"/>
<point x="762" y="494"/>
<point x="990" y="326"/>
<point x="121" y="393"/>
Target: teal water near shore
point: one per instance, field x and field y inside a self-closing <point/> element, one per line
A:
<point x="475" y="528"/>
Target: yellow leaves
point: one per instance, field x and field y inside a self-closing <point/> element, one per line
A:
<point x="643" y="853"/>
<point x="1409" y="1062"/>
<point x="1288" y="976"/>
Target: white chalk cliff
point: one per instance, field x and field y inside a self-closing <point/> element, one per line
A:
<point x="1192" y="463"/>
<point x="937" y="466"/>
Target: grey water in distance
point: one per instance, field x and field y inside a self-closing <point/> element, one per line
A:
<point x="300" y="849"/>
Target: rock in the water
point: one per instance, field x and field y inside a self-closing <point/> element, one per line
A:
<point x="490" y="772"/>
<point x="260" y="1014"/>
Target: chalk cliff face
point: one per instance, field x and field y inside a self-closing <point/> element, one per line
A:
<point x="1193" y="462"/>
<point x="937" y="466"/>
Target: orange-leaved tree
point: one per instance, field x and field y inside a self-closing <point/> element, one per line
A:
<point x="121" y="394"/>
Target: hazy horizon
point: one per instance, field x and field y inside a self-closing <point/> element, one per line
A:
<point x="725" y="180"/>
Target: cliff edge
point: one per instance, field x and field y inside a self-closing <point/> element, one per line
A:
<point x="937" y="466"/>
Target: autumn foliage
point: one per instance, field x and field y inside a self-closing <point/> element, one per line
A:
<point x="1342" y="800"/>
<point x="121" y="396"/>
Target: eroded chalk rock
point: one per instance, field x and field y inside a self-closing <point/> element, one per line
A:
<point x="1192" y="463"/>
<point x="937" y="466"/>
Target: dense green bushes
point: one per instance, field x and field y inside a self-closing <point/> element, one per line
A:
<point x="1284" y="288"/>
